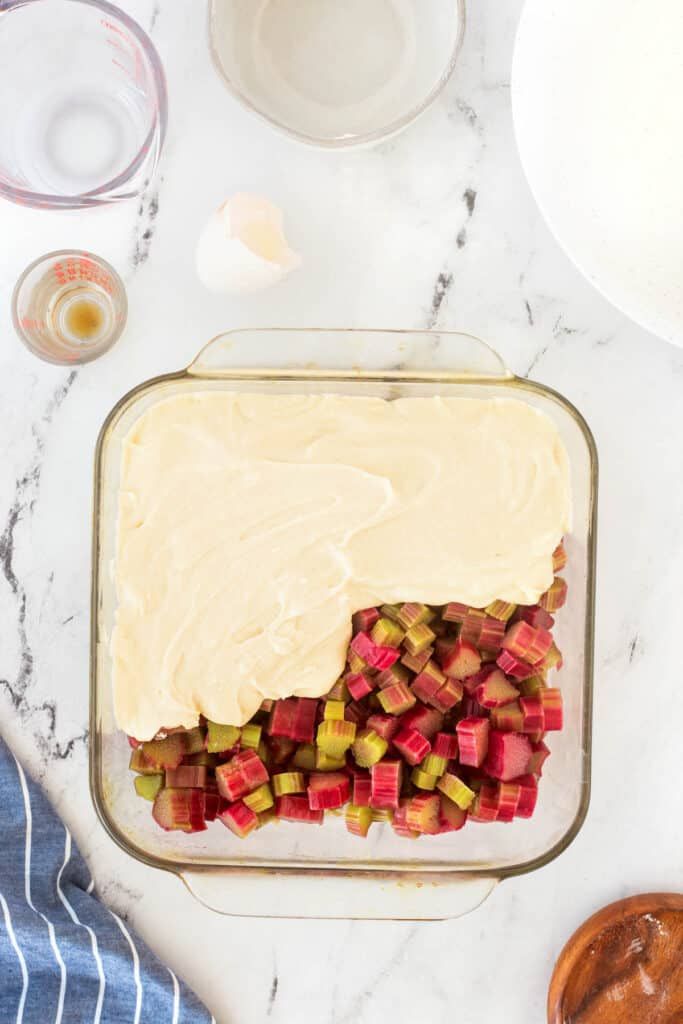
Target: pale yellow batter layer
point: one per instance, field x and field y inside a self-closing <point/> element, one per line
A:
<point x="251" y="527"/>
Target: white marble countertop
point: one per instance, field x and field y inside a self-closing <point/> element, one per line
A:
<point x="434" y="228"/>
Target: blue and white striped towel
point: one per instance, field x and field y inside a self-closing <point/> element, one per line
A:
<point x="64" y="957"/>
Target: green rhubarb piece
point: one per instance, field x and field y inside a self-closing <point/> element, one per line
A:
<point x="396" y="699"/>
<point x="147" y="786"/>
<point x="358" y="820"/>
<point x="335" y="737"/>
<point x="356" y="663"/>
<point x="265" y="817"/>
<point x="382" y="814"/>
<point x="139" y="763"/>
<point x="338" y="692"/>
<point x="387" y="632"/>
<point x="502" y="610"/>
<point x="531" y="687"/>
<point x="304" y="757"/>
<point x="288" y="782"/>
<point x="413" y="614"/>
<point x="334" y="710"/>
<point x="423" y="779"/>
<point x="251" y="736"/>
<point x="326" y="763"/>
<point x="195" y="740"/>
<point x="263" y="751"/>
<point x="434" y="765"/>
<point x="456" y="790"/>
<point x="391" y="611"/>
<point x="221" y="737"/>
<point x="418" y="638"/>
<point x="260" y="799"/>
<point x="368" y="748"/>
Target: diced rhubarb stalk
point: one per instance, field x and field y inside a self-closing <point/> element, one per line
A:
<point x="507" y="799"/>
<point x="508" y="718"/>
<point x="333" y="710"/>
<point x="422" y="779"/>
<point x="166" y="753"/>
<point x="368" y="748"/>
<point x="356" y="713"/>
<point x="396" y="699"/>
<point x="426" y="720"/>
<point x="508" y="755"/>
<point x="239" y="818"/>
<point x="339" y="691"/>
<point x="451" y="817"/>
<point x="552" y="710"/>
<point x="539" y="753"/>
<point x="361" y="790"/>
<point x="528" y="795"/>
<point x="502" y="610"/>
<point x="513" y="666"/>
<point x="434" y="765"/>
<point x="416" y="662"/>
<point x="531" y="687"/>
<point x="426" y="685"/>
<point x="388" y="676"/>
<point x="422" y="814"/>
<point x="376" y="655"/>
<point x="447" y="696"/>
<point x="445" y="744"/>
<point x="418" y="638"/>
<point x="534" y="715"/>
<point x="295" y="808"/>
<point x="180" y="810"/>
<point x="485" y="805"/>
<point x="358" y="820"/>
<point x="555" y="596"/>
<point x="328" y="790"/>
<point x="364" y="620"/>
<point x="491" y="634"/>
<point x="412" y="614"/>
<point x="412" y="745"/>
<point x="470" y="631"/>
<point x="559" y="557"/>
<point x="387" y="632"/>
<point x="334" y="737"/>
<point x="326" y="763"/>
<point x="455" y="612"/>
<point x="386" y="778"/>
<point x="260" y="800"/>
<point x="212" y="804"/>
<point x="473" y="737"/>
<point x="456" y="790"/>
<point x="385" y="726"/>
<point x="250" y="737"/>
<point x="139" y="763"/>
<point x="529" y="643"/>
<point x="242" y="774"/>
<point x="355" y="663"/>
<point x="281" y="749"/>
<point x="186" y="777"/>
<point x="537" y="617"/>
<point x="358" y="685"/>
<point x="496" y="690"/>
<point x="288" y="782"/>
<point x="382" y="814"/>
<point x="400" y="823"/>
<point x="553" y="659"/>
<point x="147" y="786"/>
<point x="194" y="740"/>
<point x="304" y="757"/>
<point x="294" y="718"/>
<point x="461" y="660"/>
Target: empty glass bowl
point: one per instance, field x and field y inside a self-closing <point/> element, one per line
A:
<point x="83" y="103"/>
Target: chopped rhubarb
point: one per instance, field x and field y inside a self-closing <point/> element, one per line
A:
<point x="553" y="659"/>
<point x="533" y="712"/>
<point x="530" y="643"/>
<point x="396" y="699"/>
<point x="139" y="763"/>
<point x="473" y="737"/>
<point x="328" y="790"/>
<point x="451" y="817"/>
<point x="242" y="774"/>
<point x="239" y="818"/>
<point x="356" y="713"/>
<point x="537" y="617"/>
<point x="147" y="786"/>
<point x="333" y="710"/>
<point x="513" y="666"/>
<point x="391" y="611"/>
<point x="491" y="634"/>
<point x="495" y="690"/>
<point x="470" y="631"/>
<point x="386" y="778"/>
<point x="426" y="720"/>
<point x="502" y="610"/>
<point x="260" y="799"/>
<point x="447" y="696"/>
<point x="327" y="763"/>
<point x="385" y="726"/>
<point x="304" y="758"/>
<point x="434" y="765"/>
<point x="166" y="753"/>
<point x="555" y="596"/>
<point x="423" y="779"/>
<point x="416" y="662"/>
<point x="280" y="749"/>
<point x="456" y="790"/>
<point x="355" y="663"/>
<point x="559" y="558"/>
<point x="376" y="655"/>
<point x="288" y="782"/>
<point x="295" y="808"/>
<point x="400" y="822"/>
<point x="212" y="804"/>
<point x="508" y="755"/>
<point x="528" y="786"/>
<point x="422" y="814"/>
<point x="455" y="612"/>
<point x="461" y="660"/>
<point x="250" y="736"/>
<point x="186" y="777"/>
<point x="382" y="814"/>
<point x="358" y="820"/>
<point x="507" y="798"/>
<point x="508" y="717"/>
<point x="361" y="790"/>
<point x="334" y="737"/>
<point x="552" y="709"/>
<point x="294" y="718"/>
<point x="387" y="632"/>
<point x="539" y="753"/>
<point x="368" y="748"/>
<point x="358" y="684"/>
<point x="412" y="614"/>
<point x="418" y="638"/>
<point x="364" y="620"/>
<point x="388" y="676"/>
<point x="484" y="807"/>
<point x="426" y="686"/>
<point x="445" y="744"/>
<point x="531" y="687"/>
<point x="180" y="810"/>
<point x="339" y="691"/>
<point x="412" y="745"/>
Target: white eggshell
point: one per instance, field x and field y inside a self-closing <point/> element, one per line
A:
<point x="242" y="247"/>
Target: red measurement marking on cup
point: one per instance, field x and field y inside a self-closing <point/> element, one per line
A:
<point x="83" y="269"/>
<point x="29" y="323"/>
<point x="118" y="36"/>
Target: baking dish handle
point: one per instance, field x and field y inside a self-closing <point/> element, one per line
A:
<point x="348" y="352"/>
<point x="366" y="896"/>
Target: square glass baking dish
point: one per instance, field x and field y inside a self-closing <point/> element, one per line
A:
<point x="299" y="870"/>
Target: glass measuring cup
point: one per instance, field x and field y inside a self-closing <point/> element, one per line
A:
<point x="69" y="307"/>
<point x="83" y="104"/>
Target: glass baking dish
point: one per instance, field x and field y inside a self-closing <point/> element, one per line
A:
<point x="296" y="870"/>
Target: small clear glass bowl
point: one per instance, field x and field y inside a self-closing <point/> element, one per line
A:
<point x="336" y="75"/>
<point x="299" y="871"/>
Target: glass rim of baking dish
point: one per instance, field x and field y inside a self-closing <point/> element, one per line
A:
<point x="496" y="375"/>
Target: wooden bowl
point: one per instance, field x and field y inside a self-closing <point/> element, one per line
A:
<point x="623" y="966"/>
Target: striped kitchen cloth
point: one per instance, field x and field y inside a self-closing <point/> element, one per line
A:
<point x="64" y="956"/>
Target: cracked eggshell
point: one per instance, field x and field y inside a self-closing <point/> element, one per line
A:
<point x="243" y="247"/>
